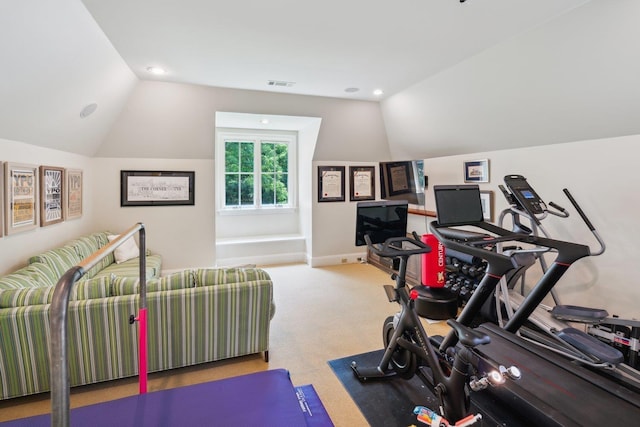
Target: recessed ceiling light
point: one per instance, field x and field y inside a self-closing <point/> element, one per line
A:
<point x="352" y="89"/>
<point x="157" y="71"/>
<point x="378" y="92"/>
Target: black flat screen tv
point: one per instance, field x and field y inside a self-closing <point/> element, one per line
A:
<point x="381" y="220"/>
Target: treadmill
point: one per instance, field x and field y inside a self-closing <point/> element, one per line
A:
<point x="553" y="390"/>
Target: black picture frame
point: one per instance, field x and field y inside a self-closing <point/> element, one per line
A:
<point x="400" y="178"/>
<point x="362" y="183"/>
<point x="157" y="188"/>
<point x="331" y="183"/>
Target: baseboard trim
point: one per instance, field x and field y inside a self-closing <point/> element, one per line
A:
<point x="274" y="259"/>
<point x="352" y="258"/>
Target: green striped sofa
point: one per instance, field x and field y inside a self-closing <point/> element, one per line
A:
<point x="194" y="316"/>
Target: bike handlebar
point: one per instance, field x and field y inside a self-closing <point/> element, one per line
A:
<point x="392" y="247"/>
<point x="557" y="207"/>
<point x="499" y="263"/>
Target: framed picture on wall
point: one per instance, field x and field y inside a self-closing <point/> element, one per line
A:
<point x="21" y="203"/>
<point x="51" y="195"/>
<point x="73" y="193"/>
<point x="362" y="183"/>
<point x="476" y="171"/>
<point x="486" y="198"/>
<point x="331" y="183"/>
<point x="157" y="188"/>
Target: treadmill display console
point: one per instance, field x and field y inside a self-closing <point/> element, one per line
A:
<point x="526" y="197"/>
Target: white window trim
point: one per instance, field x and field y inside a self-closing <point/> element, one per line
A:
<point x="289" y="138"/>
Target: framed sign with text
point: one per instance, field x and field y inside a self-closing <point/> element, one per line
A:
<point x="73" y="193"/>
<point x="362" y="183"/>
<point x="157" y="188"/>
<point x="331" y="183"/>
<point x="21" y="197"/>
<point x="51" y="194"/>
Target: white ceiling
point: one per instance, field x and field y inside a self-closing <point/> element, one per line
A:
<point x="323" y="47"/>
<point x="58" y="57"/>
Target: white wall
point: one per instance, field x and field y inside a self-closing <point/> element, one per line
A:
<point x="334" y="225"/>
<point x="171" y="120"/>
<point x="183" y="235"/>
<point x="601" y="176"/>
<point x="15" y="249"/>
<point x="169" y="126"/>
<point x="62" y="63"/>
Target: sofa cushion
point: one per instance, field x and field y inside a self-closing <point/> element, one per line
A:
<point x="26" y="296"/>
<point x="16" y="280"/>
<point x="87" y="289"/>
<point x="216" y="276"/>
<point x="131" y="268"/>
<point x="102" y="238"/>
<point x="42" y="273"/>
<point x="59" y="259"/>
<point x="131" y="285"/>
<point x="99" y="287"/>
<point x="85" y="246"/>
<point x="125" y="286"/>
<point x="32" y="276"/>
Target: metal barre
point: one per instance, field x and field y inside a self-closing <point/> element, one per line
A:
<point x="58" y="320"/>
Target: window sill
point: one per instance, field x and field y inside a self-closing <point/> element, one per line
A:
<point x="253" y="211"/>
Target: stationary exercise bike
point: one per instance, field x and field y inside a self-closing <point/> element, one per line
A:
<point x="451" y="374"/>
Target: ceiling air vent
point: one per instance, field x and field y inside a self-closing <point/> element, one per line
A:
<point x="279" y="83"/>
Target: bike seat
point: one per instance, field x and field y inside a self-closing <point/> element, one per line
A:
<point x="468" y="337"/>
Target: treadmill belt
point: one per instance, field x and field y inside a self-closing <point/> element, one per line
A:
<point x="553" y="390"/>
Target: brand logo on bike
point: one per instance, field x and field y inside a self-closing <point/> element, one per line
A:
<point x="441" y="263"/>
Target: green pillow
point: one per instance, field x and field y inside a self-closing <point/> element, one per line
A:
<point x="87" y="289"/>
<point x="217" y="276"/>
<point x="131" y="285"/>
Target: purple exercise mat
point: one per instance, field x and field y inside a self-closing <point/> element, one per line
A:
<point x="265" y="398"/>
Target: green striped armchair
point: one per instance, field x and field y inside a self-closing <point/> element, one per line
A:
<point x="194" y="316"/>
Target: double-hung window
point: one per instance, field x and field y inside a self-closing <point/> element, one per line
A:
<point x="257" y="171"/>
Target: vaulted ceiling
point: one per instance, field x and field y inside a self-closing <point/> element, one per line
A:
<point x="61" y="57"/>
<point x="312" y="48"/>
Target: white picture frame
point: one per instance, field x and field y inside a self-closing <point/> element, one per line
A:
<point x="486" y="197"/>
<point x="22" y="201"/>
